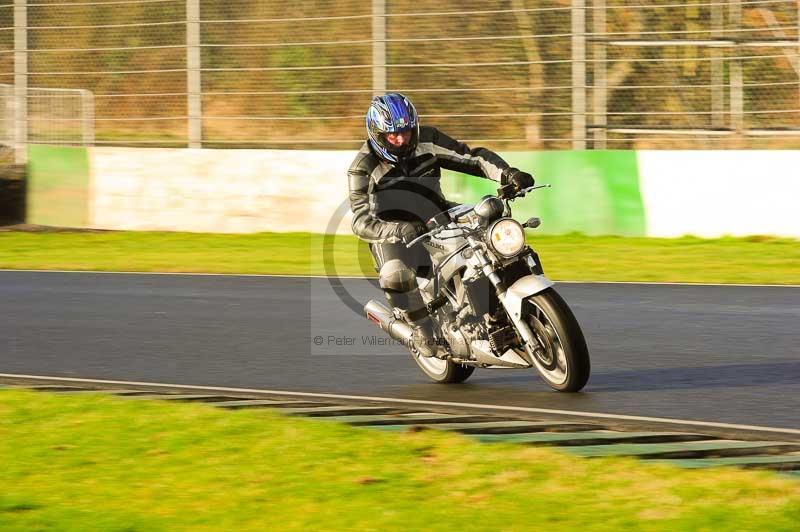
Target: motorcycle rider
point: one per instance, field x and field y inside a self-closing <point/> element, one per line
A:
<point x="395" y="187"/>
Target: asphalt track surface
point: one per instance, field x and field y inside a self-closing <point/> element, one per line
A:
<point x="707" y="353"/>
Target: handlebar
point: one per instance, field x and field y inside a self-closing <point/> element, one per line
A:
<point x="506" y="192"/>
<point x="464" y="232"/>
<point x="510" y="192"/>
<point x="419" y="238"/>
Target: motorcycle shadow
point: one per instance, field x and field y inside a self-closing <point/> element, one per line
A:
<point x="682" y="377"/>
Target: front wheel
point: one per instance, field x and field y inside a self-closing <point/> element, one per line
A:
<point x="561" y="357"/>
<point x="442" y="371"/>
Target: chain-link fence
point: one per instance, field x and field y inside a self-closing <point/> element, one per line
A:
<point x="54" y="116"/>
<point x="513" y="74"/>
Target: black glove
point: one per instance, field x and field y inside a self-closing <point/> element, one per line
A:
<point x="408" y="231"/>
<point x="521" y="180"/>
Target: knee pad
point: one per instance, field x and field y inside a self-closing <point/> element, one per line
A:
<point x="395" y="276"/>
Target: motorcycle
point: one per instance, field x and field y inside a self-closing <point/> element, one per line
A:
<point x="490" y="302"/>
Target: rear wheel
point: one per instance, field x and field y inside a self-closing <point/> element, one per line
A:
<point x="442" y="371"/>
<point x="561" y="357"/>
<point x="438" y="370"/>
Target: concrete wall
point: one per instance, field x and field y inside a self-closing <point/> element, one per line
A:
<point x="648" y="193"/>
<point x="225" y="191"/>
<point x="716" y="193"/>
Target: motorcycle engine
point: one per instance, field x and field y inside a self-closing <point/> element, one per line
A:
<point x="459" y="338"/>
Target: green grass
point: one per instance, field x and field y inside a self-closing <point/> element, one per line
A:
<point x="571" y="257"/>
<point x="95" y="462"/>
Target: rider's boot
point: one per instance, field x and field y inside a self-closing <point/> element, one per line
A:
<point x="424" y="339"/>
<point x="416" y="314"/>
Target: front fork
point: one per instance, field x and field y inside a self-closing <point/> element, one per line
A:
<point x="528" y="338"/>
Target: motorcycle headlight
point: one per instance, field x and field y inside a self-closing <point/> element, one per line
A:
<point x="507" y="237"/>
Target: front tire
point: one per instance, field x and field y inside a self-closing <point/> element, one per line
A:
<point x="442" y="371"/>
<point x="563" y="358"/>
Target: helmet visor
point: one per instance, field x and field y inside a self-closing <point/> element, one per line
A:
<point x="400" y="142"/>
<point x="398" y="139"/>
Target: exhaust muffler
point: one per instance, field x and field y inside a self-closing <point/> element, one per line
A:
<point x="384" y="318"/>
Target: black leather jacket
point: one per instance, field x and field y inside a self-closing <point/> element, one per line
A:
<point x="383" y="195"/>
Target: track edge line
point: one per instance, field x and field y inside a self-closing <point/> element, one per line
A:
<point x="506" y="408"/>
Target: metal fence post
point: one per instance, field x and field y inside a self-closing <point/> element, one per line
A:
<point x="20" y="81"/>
<point x="378" y="47"/>
<point x="717" y="67"/>
<point x="193" y="80"/>
<point x="87" y="112"/>
<point x="737" y="75"/>
<point x="7" y="137"/>
<point x="737" y="96"/>
<point x="578" y="74"/>
<point x="600" y="75"/>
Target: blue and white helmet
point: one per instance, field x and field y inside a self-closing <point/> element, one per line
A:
<point x="392" y="113"/>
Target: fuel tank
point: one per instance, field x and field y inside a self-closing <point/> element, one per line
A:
<point x="444" y="252"/>
<point x="444" y="244"/>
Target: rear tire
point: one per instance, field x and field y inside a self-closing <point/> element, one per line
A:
<point x="438" y="370"/>
<point x="563" y="363"/>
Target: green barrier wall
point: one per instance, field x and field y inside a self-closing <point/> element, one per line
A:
<point x="58" y="186"/>
<point x="594" y="192"/>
